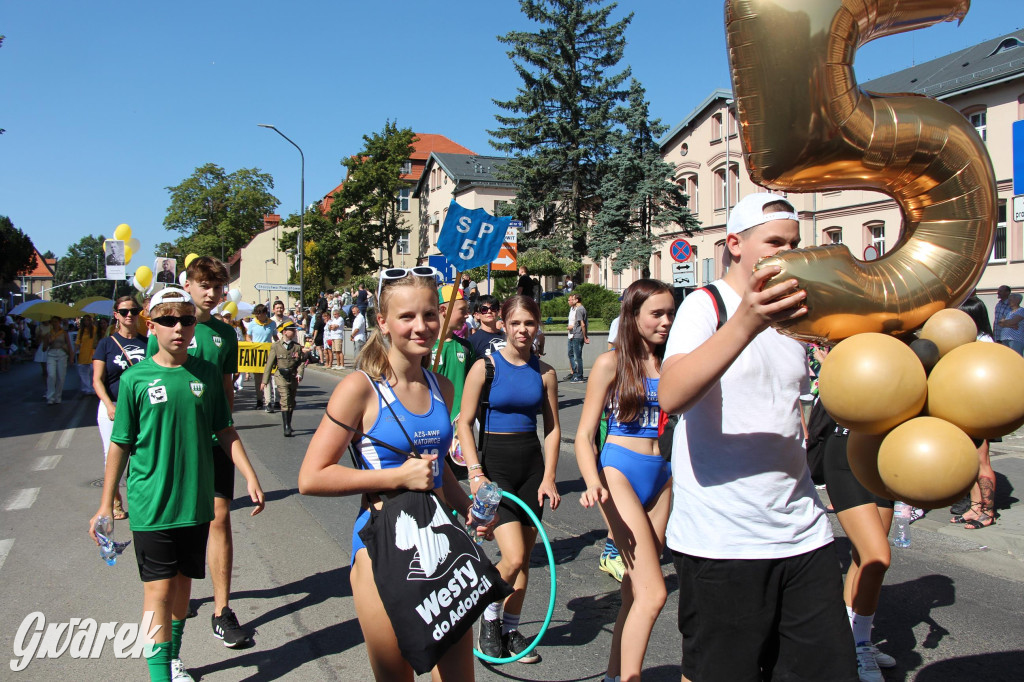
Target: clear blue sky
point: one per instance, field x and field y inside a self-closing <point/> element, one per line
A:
<point x="107" y="103"/>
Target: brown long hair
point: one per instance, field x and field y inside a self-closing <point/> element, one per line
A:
<point x="629" y="388"/>
<point x="373" y="358"/>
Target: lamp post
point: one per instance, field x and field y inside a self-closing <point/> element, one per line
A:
<point x="302" y="211"/>
<point x="728" y="171"/>
<point x="266" y="273"/>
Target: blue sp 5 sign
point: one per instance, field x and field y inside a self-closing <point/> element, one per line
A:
<point x="471" y="237"/>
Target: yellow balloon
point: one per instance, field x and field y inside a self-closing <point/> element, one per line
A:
<point x="806" y="126"/>
<point x="948" y="329"/>
<point x="230" y="309"/>
<point x="145" y="276"/>
<point x="127" y="254"/>
<point x="123" y="232"/>
<point x="979" y="387"/>
<point x="872" y="382"/>
<point x="190" y="257"/>
<point x="927" y="461"/>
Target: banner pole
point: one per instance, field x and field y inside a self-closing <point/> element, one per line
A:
<point x="447" y="320"/>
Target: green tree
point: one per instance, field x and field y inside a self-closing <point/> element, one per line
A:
<point x="560" y="127"/>
<point x="16" y="251"/>
<point x="639" y="200"/>
<point x="83" y="261"/>
<point x="322" y="245"/>
<point x="216" y="212"/>
<point x="366" y="209"/>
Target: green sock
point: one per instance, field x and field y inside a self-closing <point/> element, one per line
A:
<point x="160" y="663"/>
<point x="177" y="630"/>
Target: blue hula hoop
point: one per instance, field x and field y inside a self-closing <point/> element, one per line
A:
<point x="551" y="601"/>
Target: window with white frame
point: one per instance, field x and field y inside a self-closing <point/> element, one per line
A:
<point x="723" y="194"/>
<point x="407" y="168"/>
<point x="876" y="232"/>
<point x="720" y="188"/>
<point x="834" y="235"/>
<point x="979" y="119"/>
<point x="716" y="127"/>
<point x="402" y="249"/>
<point x="690" y="186"/>
<point x="999" y="243"/>
<point x="403" y="199"/>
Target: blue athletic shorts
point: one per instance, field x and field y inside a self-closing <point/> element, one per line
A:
<point x="646" y="473"/>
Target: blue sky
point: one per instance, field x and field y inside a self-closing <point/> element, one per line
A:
<point x="107" y="103"/>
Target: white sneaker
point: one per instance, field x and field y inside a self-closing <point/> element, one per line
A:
<point x="867" y="666"/>
<point x="884" y="660"/>
<point x="178" y="672"/>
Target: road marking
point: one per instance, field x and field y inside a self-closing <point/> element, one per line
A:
<point x="46" y="463"/>
<point x="21" y="499"/>
<point x="69" y="433"/>
<point x="5" y="547"/>
<point x="44" y="440"/>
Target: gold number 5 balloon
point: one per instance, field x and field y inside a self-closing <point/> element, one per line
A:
<point x="807" y="126"/>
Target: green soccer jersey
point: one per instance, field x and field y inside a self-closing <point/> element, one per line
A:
<point x="161" y="412"/>
<point x="215" y="342"/>
<point x="456" y="359"/>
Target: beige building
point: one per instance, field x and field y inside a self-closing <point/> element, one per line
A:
<point x="984" y="82"/>
<point x="267" y="258"/>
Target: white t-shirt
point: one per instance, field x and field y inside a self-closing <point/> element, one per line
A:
<point x="359" y="328"/>
<point x="613" y="331"/>
<point x="740" y="484"/>
<point x="334" y="329"/>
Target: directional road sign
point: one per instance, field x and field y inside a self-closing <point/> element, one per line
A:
<point x="681" y="251"/>
<point x="684" y="275"/>
<point x="506" y="259"/>
<point x="265" y="286"/>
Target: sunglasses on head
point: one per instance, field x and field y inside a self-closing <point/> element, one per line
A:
<point x="129" y="311"/>
<point x="400" y="273"/>
<point x="171" y="320"/>
<point x="488" y="309"/>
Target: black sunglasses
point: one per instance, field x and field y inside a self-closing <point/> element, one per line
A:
<point x="171" y="320"/>
<point x="488" y="309"/>
<point x="129" y="311"/>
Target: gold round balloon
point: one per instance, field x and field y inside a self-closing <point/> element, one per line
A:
<point x="927" y="461"/>
<point x="862" y="454"/>
<point x="872" y="382"/>
<point x="979" y="387"/>
<point x="806" y="127"/>
<point x="948" y="329"/>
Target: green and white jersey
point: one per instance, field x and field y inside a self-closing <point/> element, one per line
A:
<point x="165" y="417"/>
<point x="215" y="342"/>
<point x="456" y="359"/>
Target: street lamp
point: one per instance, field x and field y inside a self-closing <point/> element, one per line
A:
<point x="266" y="273"/>
<point x="302" y="211"/>
<point x="728" y="171"/>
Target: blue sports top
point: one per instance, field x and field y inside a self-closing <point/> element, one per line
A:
<point x="516" y="396"/>
<point x="646" y="423"/>
<point x="431" y="432"/>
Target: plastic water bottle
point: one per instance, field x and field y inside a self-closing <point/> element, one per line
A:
<point x="104" y="529"/>
<point x="901" y="538"/>
<point x="485" y="506"/>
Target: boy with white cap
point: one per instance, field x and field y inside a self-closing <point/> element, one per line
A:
<point x="760" y="593"/>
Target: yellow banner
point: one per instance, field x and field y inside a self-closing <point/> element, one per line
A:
<point x="252" y="356"/>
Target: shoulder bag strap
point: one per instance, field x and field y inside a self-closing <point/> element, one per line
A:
<point x="716" y="297"/>
<point x="123" y="351"/>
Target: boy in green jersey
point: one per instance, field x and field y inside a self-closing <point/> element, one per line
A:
<point x="163" y="404"/>
<point x="215" y="342"/>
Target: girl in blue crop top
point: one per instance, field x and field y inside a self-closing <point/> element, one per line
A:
<point x="393" y="377"/>
<point x="629" y="479"/>
<point x="513" y="458"/>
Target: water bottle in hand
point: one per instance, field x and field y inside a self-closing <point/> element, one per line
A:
<point x="485" y="506"/>
<point x="109" y="548"/>
<point x="901" y="536"/>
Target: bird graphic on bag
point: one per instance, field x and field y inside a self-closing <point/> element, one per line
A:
<point x="432" y="547"/>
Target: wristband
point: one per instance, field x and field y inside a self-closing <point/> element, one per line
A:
<point x="475" y="466"/>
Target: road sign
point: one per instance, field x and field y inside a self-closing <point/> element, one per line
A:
<point x="1018" y="209"/>
<point x="441" y="264"/>
<point x="684" y="275"/>
<point x="264" y="286"/>
<point x="681" y="251"/>
<point x="1018" y="157"/>
<point x="506" y="259"/>
<point x="870" y="252"/>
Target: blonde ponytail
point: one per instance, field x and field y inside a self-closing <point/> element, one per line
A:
<point x="373" y="358"/>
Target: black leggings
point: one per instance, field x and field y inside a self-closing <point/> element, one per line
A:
<point x="515" y="461"/>
<point x="844" y="490"/>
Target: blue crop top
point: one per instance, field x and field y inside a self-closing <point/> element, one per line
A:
<point x="431" y="432"/>
<point x="516" y="396"/>
<point x="646" y="423"/>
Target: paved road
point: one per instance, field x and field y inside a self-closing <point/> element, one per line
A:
<point x="950" y="608"/>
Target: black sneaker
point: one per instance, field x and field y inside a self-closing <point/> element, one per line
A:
<point x="226" y="627"/>
<point x="515" y="643"/>
<point x="489" y="641"/>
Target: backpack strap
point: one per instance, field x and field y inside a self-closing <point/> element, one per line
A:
<point x="485" y="399"/>
<point x="718" y="302"/>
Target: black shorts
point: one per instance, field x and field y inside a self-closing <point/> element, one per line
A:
<point x="844" y="490"/>
<point x="162" y="554"/>
<point x="765" y="619"/>
<point x="515" y="461"/>
<point x="223" y="474"/>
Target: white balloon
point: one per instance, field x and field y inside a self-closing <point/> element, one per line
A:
<point x="181" y="278"/>
<point x="235" y="295"/>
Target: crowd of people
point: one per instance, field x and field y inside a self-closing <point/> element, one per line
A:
<point x="691" y="437"/>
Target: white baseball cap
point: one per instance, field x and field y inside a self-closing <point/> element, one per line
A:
<point x="169" y="295"/>
<point x="749" y="212"/>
